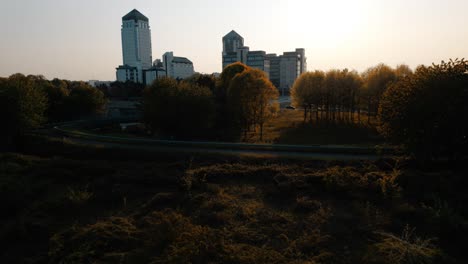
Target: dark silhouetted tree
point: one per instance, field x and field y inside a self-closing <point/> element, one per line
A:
<point x="22" y="106"/>
<point x="84" y="101"/>
<point x="179" y="109"/>
<point x="427" y="111"/>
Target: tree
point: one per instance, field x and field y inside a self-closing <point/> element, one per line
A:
<point x="226" y="77"/>
<point x="204" y="80"/>
<point x="307" y="92"/>
<point x="426" y="111"/>
<point x="124" y="90"/>
<point x="57" y="93"/>
<point x="376" y="80"/>
<point x="22" y="106"/>
<point x="352" y="83"/>
<point x="223" y="125"/>
<point x="403" y="71"/>
<point x="84" y="101"/>
<point x="178" y="109"/>
<point x="250" y="99"/>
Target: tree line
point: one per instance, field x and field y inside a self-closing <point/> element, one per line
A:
<point x="26" y="102"/>
<point x="425" y="110"/>
<point x="224" y="108"/>
<point x="343" y="95"/>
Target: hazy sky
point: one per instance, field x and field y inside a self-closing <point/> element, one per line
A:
<point x="80" y="39"/>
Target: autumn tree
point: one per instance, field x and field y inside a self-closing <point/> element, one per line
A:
<point x="376" y="80"/>
<point x="427" y="110"/>
<point x="223" y="126"/>
<point x="226" y="77"/>
<point x="22" y="106"/>
<point x="250" y="99"/>
<point x="307" y="92"/>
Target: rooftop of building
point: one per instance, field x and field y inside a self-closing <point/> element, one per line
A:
<point x="181" y="60"/>
<point x="257" y="52"/>
<point x="233" y="35"/>
<point x="126" y="67"/>
<point x="135" y="15"/>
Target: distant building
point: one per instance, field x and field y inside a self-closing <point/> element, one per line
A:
<point x="155" y="72"/>
<point x="232" y="42"/>
<point x="96" y="83"/>
<point x="136" y="47"/>
<point x="259" y="60"/>
<point x="274" y="69"/>
<point x="177" y="67"/>
<point x="282" y="70"/>
<point x="292" y="65"/>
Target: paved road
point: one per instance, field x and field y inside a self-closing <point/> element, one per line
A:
<point x="227" y="151"/>
<point x="244" y="152"/>
<point x="71" y="132"/>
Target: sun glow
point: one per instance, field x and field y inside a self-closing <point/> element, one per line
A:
<point x="331" y="20"/>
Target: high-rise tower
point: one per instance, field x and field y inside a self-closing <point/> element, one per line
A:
<point x="231" y="42"/>
<point x="136" y="47"/>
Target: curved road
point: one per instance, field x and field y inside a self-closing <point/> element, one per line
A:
<point x="69" y="131"/>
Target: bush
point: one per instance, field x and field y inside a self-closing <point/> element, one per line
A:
<point x="406" y="249"/>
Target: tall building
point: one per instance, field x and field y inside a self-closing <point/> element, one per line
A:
<point x="136" y="47"/>
<point x="282" y="70"/>
<point x="233" y="47"/>
<point x="292" y="65"/>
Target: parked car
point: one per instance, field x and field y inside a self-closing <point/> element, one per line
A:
<point x="290" y="107"/>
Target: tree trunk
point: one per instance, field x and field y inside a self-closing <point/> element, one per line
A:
<point x="368" y="110"/>
<point x="305" y="114"/>
<point x="261" y="132"/>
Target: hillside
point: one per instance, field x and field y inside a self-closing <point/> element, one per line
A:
<point x="101" y="209"/>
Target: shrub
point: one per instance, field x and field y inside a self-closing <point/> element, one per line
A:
<point x="79" y="196"/>
<point x="406" y="249"/>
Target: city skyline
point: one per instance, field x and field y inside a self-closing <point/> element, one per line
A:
<point x="79" y="41"/>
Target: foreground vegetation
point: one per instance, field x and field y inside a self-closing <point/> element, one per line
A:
<point x="27" y="102"/>
<point x="92" y="206"/>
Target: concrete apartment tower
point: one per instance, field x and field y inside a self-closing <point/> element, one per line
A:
<point x="282" y="70"/>
<point x="136" y="47"/>
<point x="232" y="42"/>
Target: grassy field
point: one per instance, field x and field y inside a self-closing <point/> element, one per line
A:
<point x="73" y="208"/>
<point x="289" y="128"/>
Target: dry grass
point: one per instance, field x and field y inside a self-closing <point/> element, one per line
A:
<point x="289" y="128"/>
<point x="204" y="211"/>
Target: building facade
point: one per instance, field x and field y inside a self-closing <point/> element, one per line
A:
<point x="291" y="65"/>
<point x="155" y="72"/>
<point x="282" y="70"/>
<point x="136" y="47"/>
<point x="177" y="67"/>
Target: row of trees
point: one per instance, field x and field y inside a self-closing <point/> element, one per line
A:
<point x="425" y="110"/>
<point x="340" y="95"/>
<point x="241" y="100"/>
<point x="428" y="111"/>
<point x="26" y="102"/>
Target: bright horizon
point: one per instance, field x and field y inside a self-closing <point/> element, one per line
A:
<point x="80" y="40"/>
